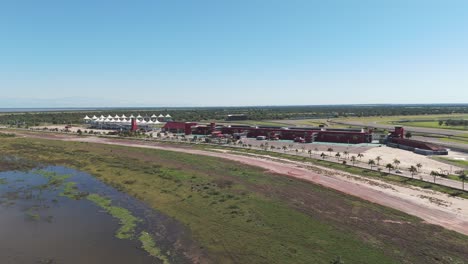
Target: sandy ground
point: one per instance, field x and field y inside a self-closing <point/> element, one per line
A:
<point x="433" y="207"/>
<point x="408" y="159"/>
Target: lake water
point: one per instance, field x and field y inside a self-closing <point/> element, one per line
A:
<point x="37" y="225"/>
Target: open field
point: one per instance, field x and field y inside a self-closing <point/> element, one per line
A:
<point x="391" y="119"/>
<point x="456" y="162"/>
<point x="232" y="210"/>
<point x="427" y="124"/>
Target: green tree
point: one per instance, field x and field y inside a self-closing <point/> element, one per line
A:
<point x="389" y="166"/>
<point x="408" y="135"/>
<point x="378" y="159"/>
<point x="353" y="159"/>
<point x="346" y="154"/>
<point x="360" y="155"/>
<point x="396" y="162"/>
<point x="337" y="155"/>
<point x="330" y="150"/>
<point x="434" y="174"/>
<point x="419" y="166"/>
<point x="371" y="163"/>
<point x="462" y="177"/>
<point x="413" y="171"/>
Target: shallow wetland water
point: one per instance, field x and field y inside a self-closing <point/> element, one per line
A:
<point x="47" y="216"/>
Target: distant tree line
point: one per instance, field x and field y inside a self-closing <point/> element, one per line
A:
<point x="253" y="113"/>
<point x="452" y="122"/>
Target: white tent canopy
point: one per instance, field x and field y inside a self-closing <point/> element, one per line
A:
<point x="168" y="115"/>
<point x="116" y="116"/>
<point x="160" y="115"/>
<point x="94" y="117"/>
<point x="86" y="118"/>
<point x="153" y="116"/>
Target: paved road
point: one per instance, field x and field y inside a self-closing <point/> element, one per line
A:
<point x="441" y="132"/>
<point x="423" y="130"/>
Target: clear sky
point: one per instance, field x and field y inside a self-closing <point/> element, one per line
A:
<point x="243" y="52"/>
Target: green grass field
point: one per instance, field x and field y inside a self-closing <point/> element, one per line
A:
<point x="427" y="124"/>
<point x="242" y="214"/>
<point x="389" y="119"/>
<point x="460" y="163"/>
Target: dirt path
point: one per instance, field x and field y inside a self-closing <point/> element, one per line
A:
<point x="433" y="207"/>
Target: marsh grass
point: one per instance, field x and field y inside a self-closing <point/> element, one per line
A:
<point x="242" y="214"/>
<point x="128" y="222"/>
<point x="148" y="244"/>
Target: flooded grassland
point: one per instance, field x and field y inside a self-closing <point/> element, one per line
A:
<point x="72" y="202"/>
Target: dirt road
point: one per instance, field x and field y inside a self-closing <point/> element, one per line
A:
<point x="433" y="207"/>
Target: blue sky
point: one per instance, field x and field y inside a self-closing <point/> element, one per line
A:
<point x="56" y="53"/>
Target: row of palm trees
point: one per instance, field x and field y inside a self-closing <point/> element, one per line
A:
<point x="413" y="169"/>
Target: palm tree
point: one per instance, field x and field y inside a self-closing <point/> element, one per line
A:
<point x="396" y="162"/>
<point x="389" y="166"/>
<point x="346" y="154"/>
<point x="413" y="171"/>
<point x="285" y="148"/>
<point x="378" y="159"/>
<point x="371" y="163"/>
<point x="360" y="155"/>
<point x="330" y="150"/>
<point x="462" y="177"/>
<point x="323" y="155"/>
<point x="353" y="159"/>
<point x="337" y="155"/>
<point x="310" y="153"/>
<point x="434" y="174"/>
<point x="297" y="151"/>
<point x="419" y="166"/>
<point x="272" y="147"/>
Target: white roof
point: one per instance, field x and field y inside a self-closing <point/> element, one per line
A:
<point x="160" y="115"/>
<point x="102" y="116"/>
<point x="143" y="121"/>
<point x="94" y="117"/>
<point x="139" y="116"/>
<point x="86" y="118"/>
<point x="123" y="116"/>
<point x="132" y="116"/>
<point x="116" y="116"/>
<point x="157" y="122"/>
<point x="109" y="116"/>
<point x="168" y="115"/>
<point x="150" y="122"/>
<point x="153" y="116"/>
